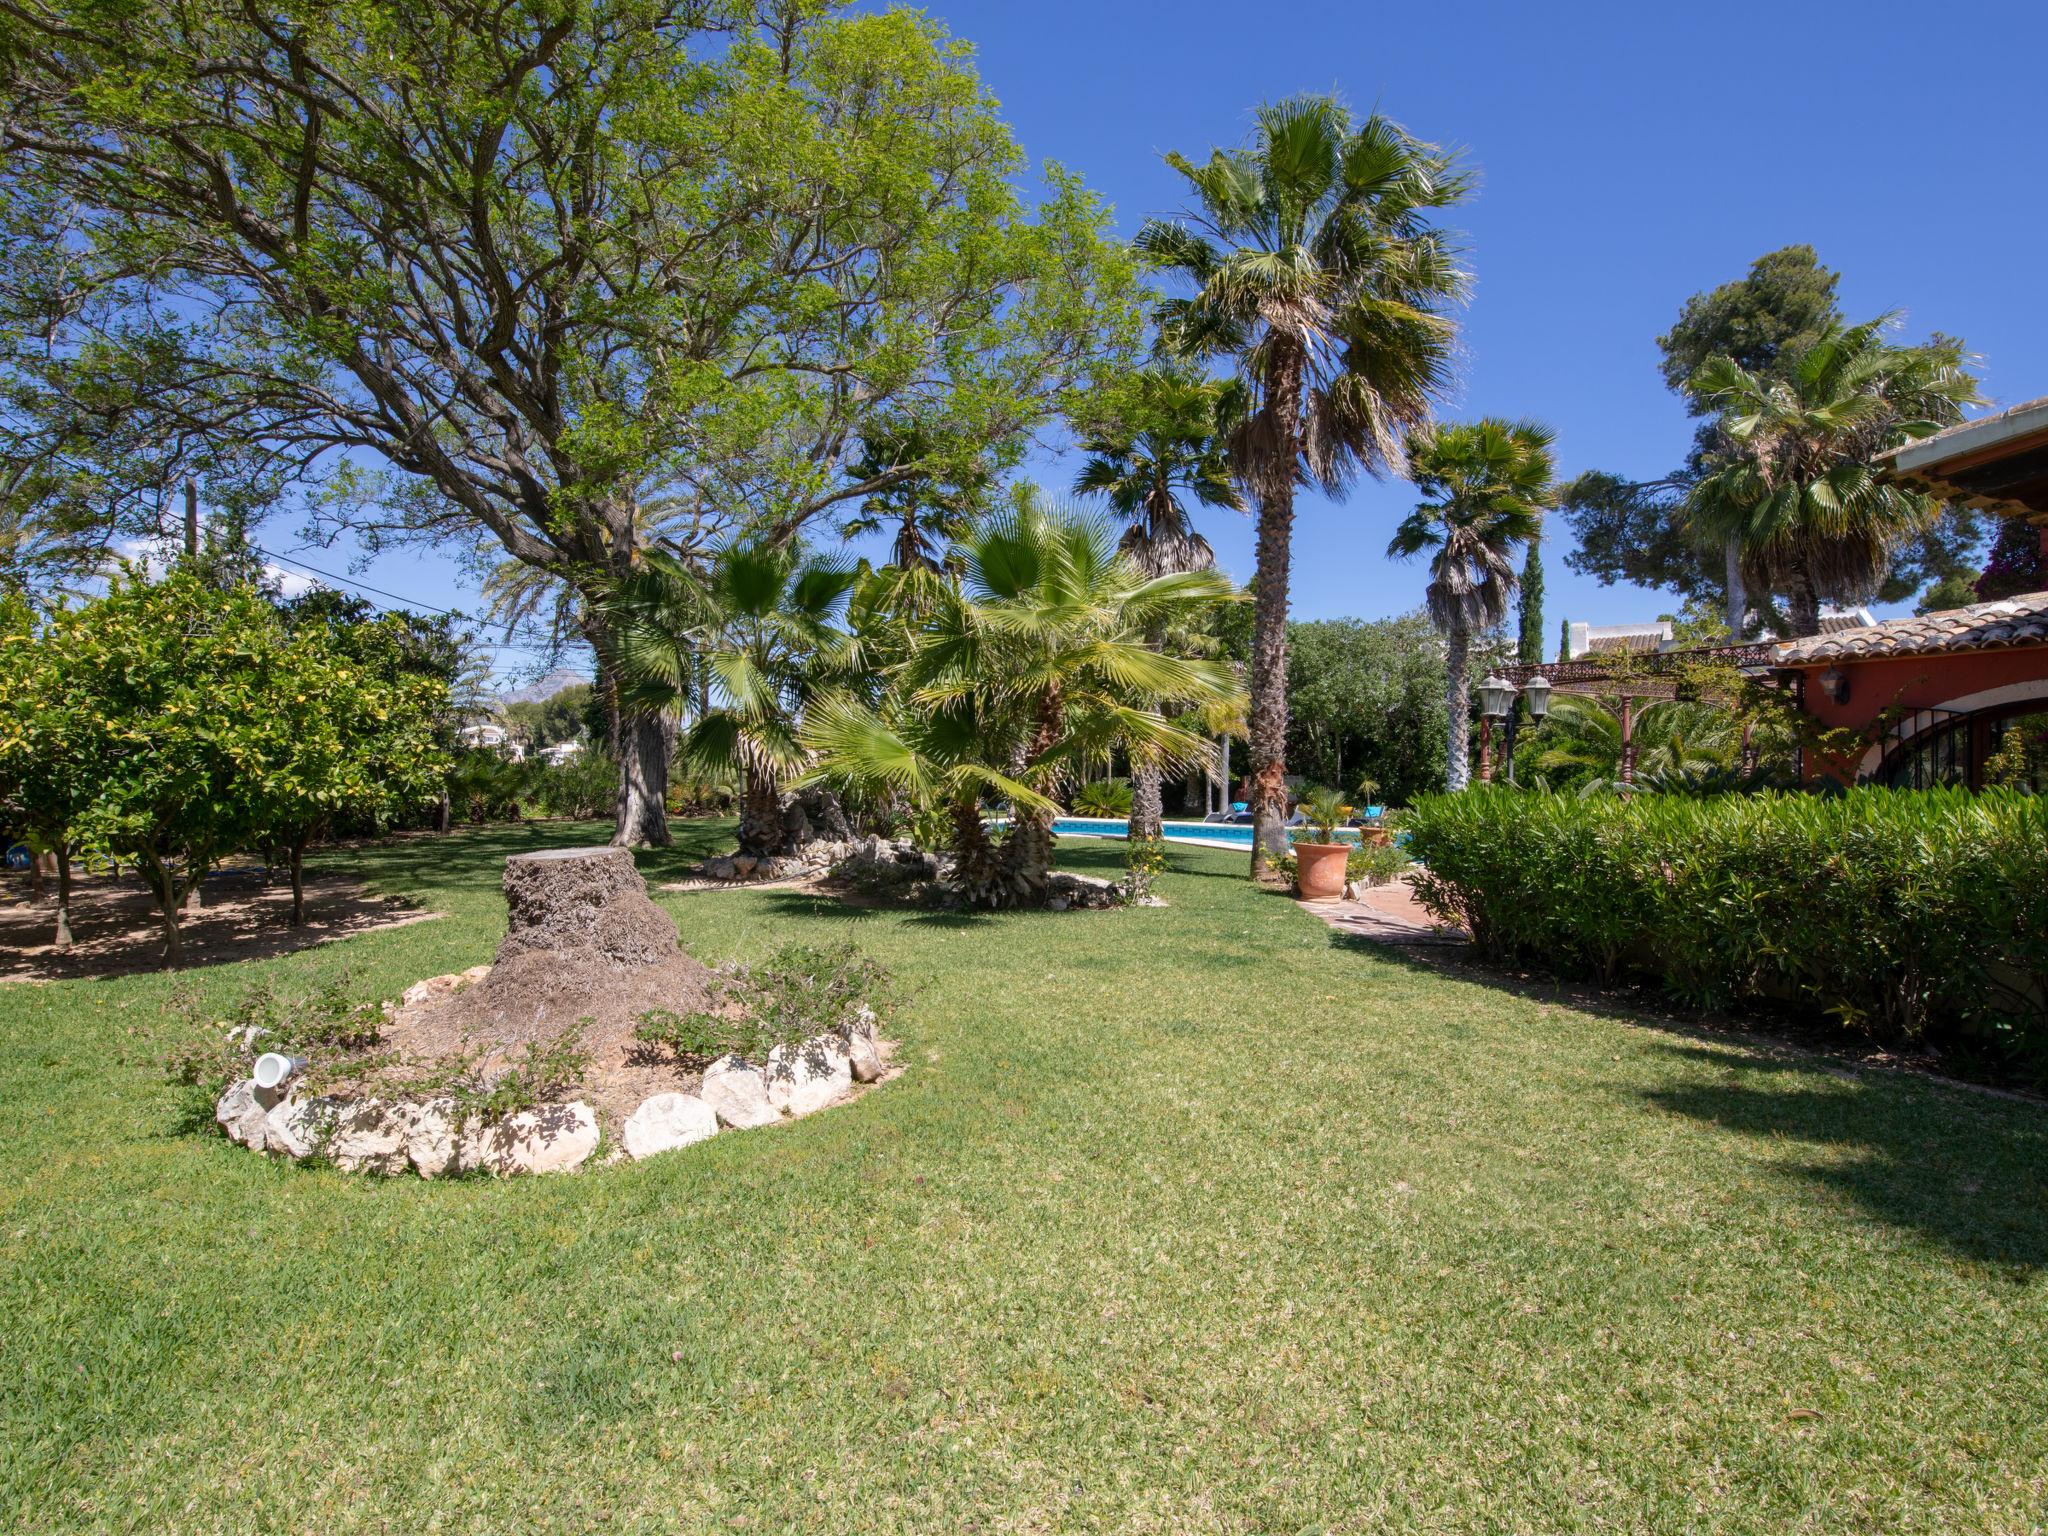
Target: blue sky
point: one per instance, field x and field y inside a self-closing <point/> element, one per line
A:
<point x="1629" y="155"/>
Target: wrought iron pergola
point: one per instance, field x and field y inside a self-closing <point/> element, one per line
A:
<point x="1631" y="678"/>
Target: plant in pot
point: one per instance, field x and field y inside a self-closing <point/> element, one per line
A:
<point x="1372" y="831"/>
<point x="1319" y="864"/>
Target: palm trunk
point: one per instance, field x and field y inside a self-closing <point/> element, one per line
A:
<point x="1457" y="699"/>
<point x="977" y="863"/>
<point x="641" y="811"/>
<point x="1148" y="801"/>
<point x="1221" y="771"/>
<point x="1269" y="617"/>
<point x="63" y="896"/>
<point x="761" y="814"/>
<point x="1802" y="607"/>
<point x="1738" y="592"/>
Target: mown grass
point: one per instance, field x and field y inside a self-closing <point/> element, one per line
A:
<point x="1182" y="1220"/>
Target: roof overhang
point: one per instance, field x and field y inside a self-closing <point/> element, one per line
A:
<point x="1999" y="463"/>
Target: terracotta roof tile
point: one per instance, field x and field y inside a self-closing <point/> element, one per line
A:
<point x="1980" y="627"/>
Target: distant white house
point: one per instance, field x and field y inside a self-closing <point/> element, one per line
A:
<point x="1654" y="635"/>
<point x="489" y="736"/>
<point x="561" y="752"/>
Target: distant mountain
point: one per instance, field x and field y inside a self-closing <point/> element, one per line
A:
<point x="546" y="688"/>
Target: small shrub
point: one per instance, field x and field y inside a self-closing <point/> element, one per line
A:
<point x="800" y="992"/>
<point x="1105" y="797"/>
<point x="220" y="1048"/>
<point x="542" y="1073"/>
<point x="1144" y="863"/>
<point x="579" y="789"/>
<point x="1918" y="917"/>
<point x="1376" y="864"/>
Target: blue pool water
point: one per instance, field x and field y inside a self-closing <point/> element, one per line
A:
<point x="1174" y="831"/>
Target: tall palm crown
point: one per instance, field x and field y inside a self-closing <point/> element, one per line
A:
<point x="1317" y="271"/>
<point x="1163" y="449"/>
<point x="1799" y="497"/>
<point x="1488" y="483"/>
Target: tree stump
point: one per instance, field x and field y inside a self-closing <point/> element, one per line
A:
<point x="587" y="901"/>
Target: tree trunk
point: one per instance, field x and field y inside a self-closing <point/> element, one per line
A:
<point x="35" y="874"/>
<point x="1221" y="772"/>
<point x="1457" y="699"/>
<point x="444" y="813"/>
<point x="641" y="812"/>
<point x="1148" y="801"/>
<point x="165" y="886"/>
<point x="1738" y="592"/>
<point x="298" y="864"/>
<point x="1268" y="681"/>
<point x="761" y="815"/>
<point x="1802" y="607"/>
<point x="63" y="896"/>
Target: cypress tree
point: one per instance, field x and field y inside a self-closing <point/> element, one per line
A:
<point x="1564" y="639"/>
<point x="1530" y="646"/>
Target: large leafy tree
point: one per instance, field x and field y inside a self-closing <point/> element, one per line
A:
<point x="1155" y="445"/>
<point x="1797" y="495"/>
<point x="506" y="273"/>
<point x="1318" y="272"/>
<point x="1033" y="665"/>
<point x="1488" y="483"/>
<point x="1365" y="699"/>
<point x="1640" y="531"/>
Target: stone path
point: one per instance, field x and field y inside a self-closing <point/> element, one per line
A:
<point x="1386" y="914"/>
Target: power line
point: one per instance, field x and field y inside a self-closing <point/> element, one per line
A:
<point x="409" y="604"/>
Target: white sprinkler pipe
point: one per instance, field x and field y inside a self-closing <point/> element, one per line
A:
<point x="272" y="1068"/>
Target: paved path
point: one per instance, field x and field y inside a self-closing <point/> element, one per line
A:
<point x="1386" y="914"/>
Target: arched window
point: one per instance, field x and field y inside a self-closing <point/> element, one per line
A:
<point x="1937" y="756"/>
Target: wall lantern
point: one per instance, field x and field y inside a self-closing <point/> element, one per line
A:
<point x="1835" y="684"/>
<point x="1496" y="696"/>
<point x="1536" y="694"/>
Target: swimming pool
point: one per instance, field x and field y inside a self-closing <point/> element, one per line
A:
<point x="1229" y="834"/>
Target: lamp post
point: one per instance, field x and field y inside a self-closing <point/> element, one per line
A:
<point x="1496" y="698"/>
<point x="1497" y="702"/>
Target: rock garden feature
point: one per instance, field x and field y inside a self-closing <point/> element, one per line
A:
<point x="592" y="1027"/>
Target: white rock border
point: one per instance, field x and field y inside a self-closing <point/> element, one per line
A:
<point x="427" y="1137"/>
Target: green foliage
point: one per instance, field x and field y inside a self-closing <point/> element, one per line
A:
<point x="562" y="716"/>
<point x="1376" y="863"/>
<point x="1326" y="810"/>
<point x="1102" y="797"/>
<point x="1785" y="301"/>
<point x="219" y="1045"/>
<point x="1919" y="917"/>
<point x="1366" y="697"/>
<point x="1013" y="679"/>
<point x="1796" y="488"/>
<point x="1144" y="863"/>
<point x="484" y="786"/>
<point x="1529" y="607"/>
<point x="799" y="992"/>
<point x="169" y="721"/>
<point x="542" y="1073"/>
<point x="581" y="788"/>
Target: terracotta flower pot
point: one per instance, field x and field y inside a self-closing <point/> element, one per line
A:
<point x="1319" y="870"/>
<point x="1375" y="837"/>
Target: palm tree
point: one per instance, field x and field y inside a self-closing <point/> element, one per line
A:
<point x="1679" y="744"/>
<point x="762" y="628"/>
<point x="926" y="510"/>
<point x="1318" y="273"/>
<point x="1489" y="482"/>
<point x="1798" y="497"/>
<point x="1033" y="666"/>
<point x="1163" y="446"/>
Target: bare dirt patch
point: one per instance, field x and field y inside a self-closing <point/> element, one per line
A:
<point x="116" y="931"/>
<point x="535" y="997"/>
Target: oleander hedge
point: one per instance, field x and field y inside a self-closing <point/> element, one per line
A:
<point x="1917" y="916"/>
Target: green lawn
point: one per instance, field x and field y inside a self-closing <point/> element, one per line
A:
<point x="1182" y="1220"/>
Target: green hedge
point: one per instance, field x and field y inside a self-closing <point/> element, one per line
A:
<point x="1920" y="917"/>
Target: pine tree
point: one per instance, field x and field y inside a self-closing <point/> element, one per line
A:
<point x="1530" y="646"/>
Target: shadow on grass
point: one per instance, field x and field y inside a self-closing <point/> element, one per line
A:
<point x="473" y="858"/>
<point x="1965" y="1168"/>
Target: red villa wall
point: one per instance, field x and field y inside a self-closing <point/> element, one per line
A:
<point x="1917" y="682"/>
